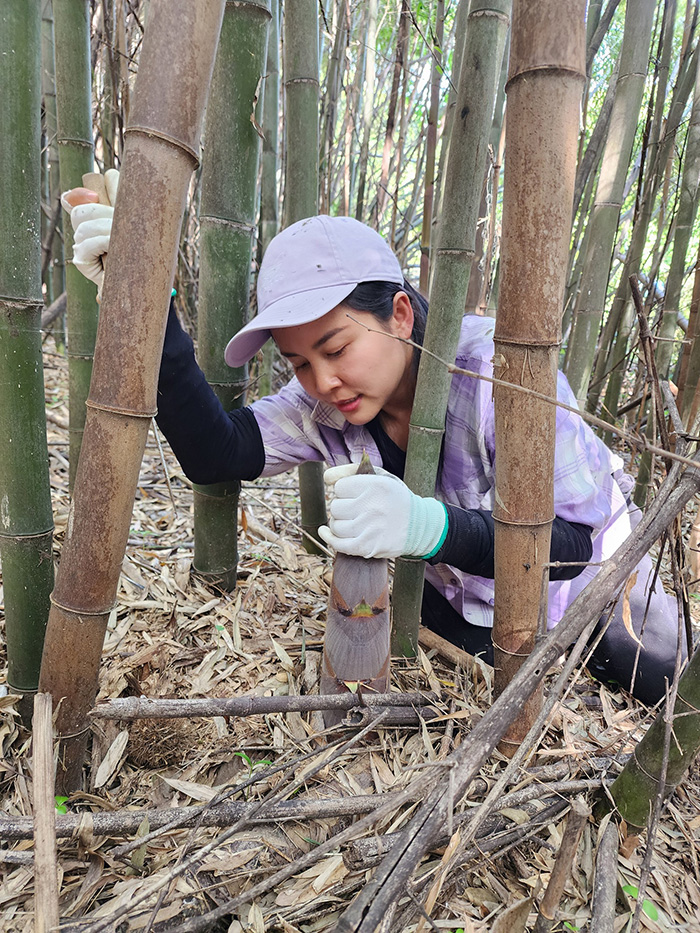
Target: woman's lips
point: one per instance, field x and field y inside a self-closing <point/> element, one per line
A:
<point x="349" y="404"/>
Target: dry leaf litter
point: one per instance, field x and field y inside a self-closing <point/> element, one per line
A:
<point x="174" y="636"/>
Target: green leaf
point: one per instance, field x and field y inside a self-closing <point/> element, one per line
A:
<point x="60" y="804"/>
<point x="647" y="906"/>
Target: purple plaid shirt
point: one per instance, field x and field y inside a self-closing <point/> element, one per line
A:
<point x="295" y="428"/>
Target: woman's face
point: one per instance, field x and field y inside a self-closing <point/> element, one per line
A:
<point x="360" y="372"/>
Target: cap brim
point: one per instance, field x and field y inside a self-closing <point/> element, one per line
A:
<point x="290" y="311"/>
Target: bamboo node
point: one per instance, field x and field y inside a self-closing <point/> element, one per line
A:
<point x="19" y="538"/>
<point x="233" y="224"/>
<point x="126" y="412"/>
<point x="166" y="137"/>
<point x="96" y="613"/>
<point x="652" y="777"/>
<point x="26" y="304"/>
<point x="511" y="654"/>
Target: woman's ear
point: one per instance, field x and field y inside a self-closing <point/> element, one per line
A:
<point x="403" y="315"/>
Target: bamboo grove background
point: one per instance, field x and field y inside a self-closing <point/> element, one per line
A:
<point x="367" y="116"/>
<point x="387" y="87"/>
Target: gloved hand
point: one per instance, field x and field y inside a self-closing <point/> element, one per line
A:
<point x="378" y="516"/>
<point x="92" y="226"/>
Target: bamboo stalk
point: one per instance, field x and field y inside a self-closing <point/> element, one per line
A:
<point x="431" y="148"/>
<point x="75" y="155"/>
<point x="639" y="18"/>
<point x="301" y="90"/>
<point x="162" y="143"/>
<point x="482" y="59"/>
<point x="367" y="105"/>
<point x="227" y="228"/>
<point x="26" y="522"/>
<point x="145" y="708"/>
<point x="44" y="830"/>
<point x="546" y="76"/>
<point x="636" y="787"/>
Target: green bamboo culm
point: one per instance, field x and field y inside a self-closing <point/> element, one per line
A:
<point x="301" y="88"/>
<point x="634" y="57"/>
<point x="476" y="92"/>
<point x="54" y="277"/>
<point x="227" y="230"/>
<point x="26" y="524"/>
<point x="636" y="787"/>
<point x="269" y="219"/>
<point x="75" y="154"/>
<point x="685" y="218"/>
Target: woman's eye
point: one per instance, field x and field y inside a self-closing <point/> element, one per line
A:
<point x="299" y="366"/>
<point x="336" y="353"/>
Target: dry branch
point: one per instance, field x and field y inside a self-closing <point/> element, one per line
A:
<point x="578" y="817"/>
<point x="605" y="882"/>
<point x="145" y="708"/>
<point x="125" y="822"/>
<point x="364" y="853"/>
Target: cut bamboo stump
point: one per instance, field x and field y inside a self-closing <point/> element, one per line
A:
<point x="45" y="861"/>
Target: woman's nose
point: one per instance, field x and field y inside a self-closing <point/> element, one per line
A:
<point x="326" y="378"/>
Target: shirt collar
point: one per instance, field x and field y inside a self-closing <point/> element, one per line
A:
<point x="329" y="416"/>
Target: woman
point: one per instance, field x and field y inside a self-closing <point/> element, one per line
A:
<point x="333" y="297"/>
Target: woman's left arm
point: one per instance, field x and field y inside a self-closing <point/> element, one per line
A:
<point x="468" y="545"/>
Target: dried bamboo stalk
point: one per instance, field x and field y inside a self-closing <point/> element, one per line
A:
<point x="45" y="862"/>
<point x="125" y="822"/>
<point x="546" y="77"/>
<point x="605" y="882"/>
<point x="161" y="152"/>
<point x="145" y="708"/>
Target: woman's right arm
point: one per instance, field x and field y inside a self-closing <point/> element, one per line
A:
<point x="212" y="446"/>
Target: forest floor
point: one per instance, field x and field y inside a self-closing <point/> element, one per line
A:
<point x="172" y="635"/>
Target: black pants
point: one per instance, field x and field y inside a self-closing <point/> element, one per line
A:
<point x="613" y="659"/>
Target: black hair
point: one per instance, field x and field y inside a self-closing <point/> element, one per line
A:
<point x="378" y="299"/>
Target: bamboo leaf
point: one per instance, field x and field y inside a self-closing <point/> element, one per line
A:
<point x="111" y="760"/>
<point x="626" y="611"/>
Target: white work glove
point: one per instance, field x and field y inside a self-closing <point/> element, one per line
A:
<point x="378" y="516"/>
<point x="92" y="226"/>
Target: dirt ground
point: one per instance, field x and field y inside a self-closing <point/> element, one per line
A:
<point x="173" y="636"/>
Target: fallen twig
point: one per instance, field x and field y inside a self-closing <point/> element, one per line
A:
<point x="605" y="882"/>
<point x="578" y="817"/>
<point x="125" y="822"/>
<point x="146" y="708"/>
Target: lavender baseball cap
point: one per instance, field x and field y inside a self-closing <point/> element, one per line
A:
<point x="308" y="269"/>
